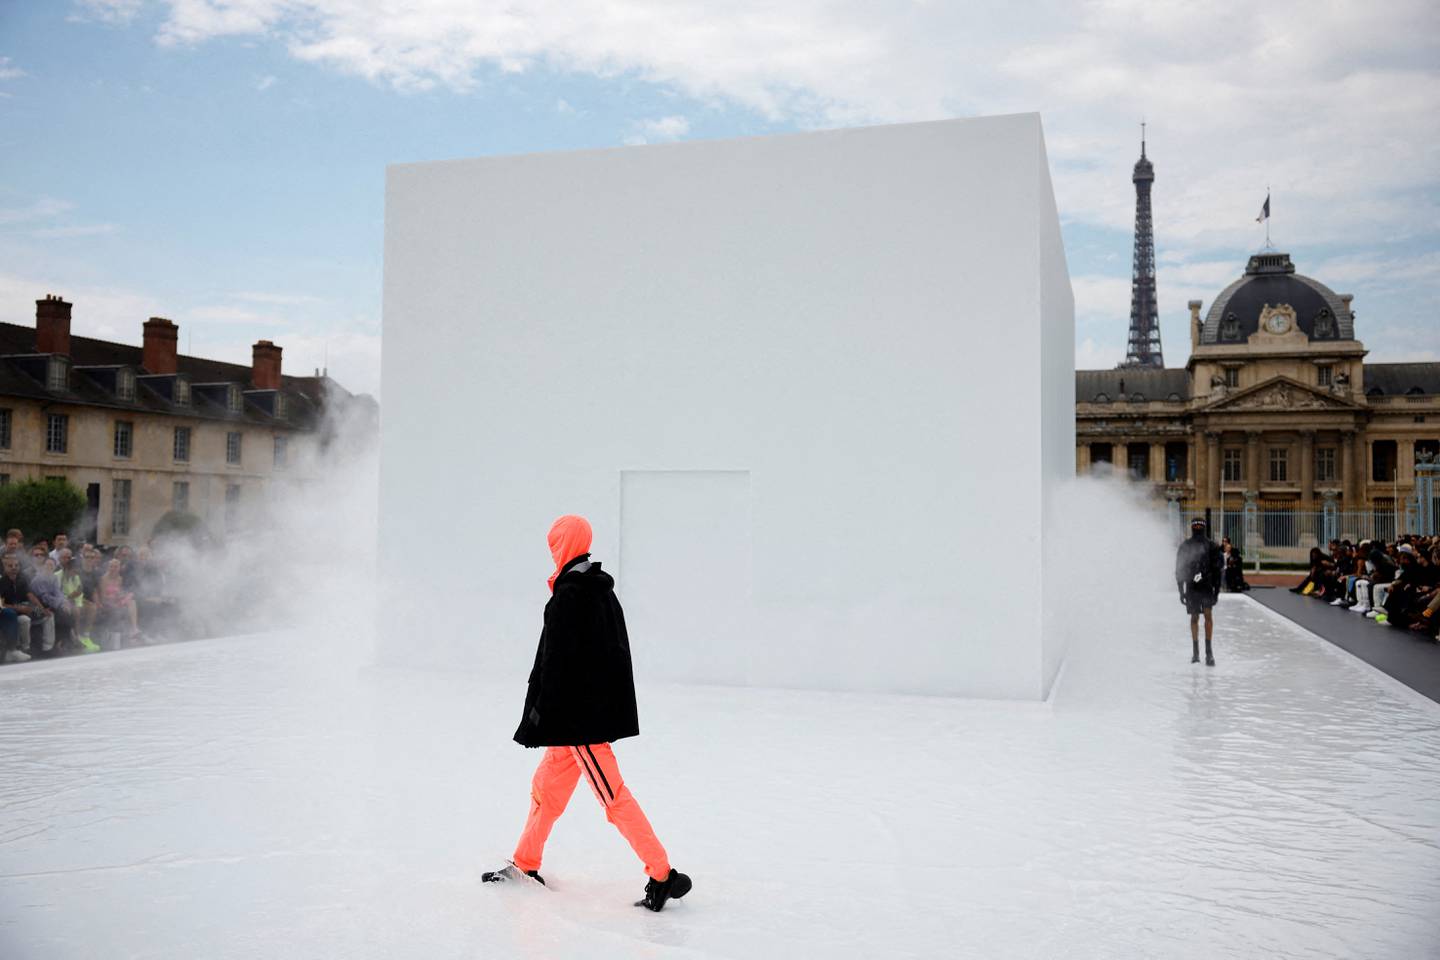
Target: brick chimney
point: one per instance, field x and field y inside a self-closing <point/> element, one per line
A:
<point x="265" y="371"/>
<point x="52" y="325"/>
<point x="161" y="337"/>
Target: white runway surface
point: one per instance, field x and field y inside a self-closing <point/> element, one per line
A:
<point x="264" y="797"/>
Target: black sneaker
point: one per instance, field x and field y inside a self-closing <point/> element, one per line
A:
<point x="510" y="872"/>
<point x="1209" y="661"/>
<point x="1194" y="658"/>
<point x="657" y="892"/>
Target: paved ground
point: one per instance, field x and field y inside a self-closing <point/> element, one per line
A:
<point x="263" y="798"/>
<point x="1409" y="658"/>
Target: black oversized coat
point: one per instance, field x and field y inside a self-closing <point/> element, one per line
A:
<point x="582" y="687"/>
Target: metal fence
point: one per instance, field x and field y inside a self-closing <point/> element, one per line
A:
<point x="1272" y="535"/>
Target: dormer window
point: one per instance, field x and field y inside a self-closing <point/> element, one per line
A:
<point x="57" y="377"/>
<point x="1324" y="325"/>
<point x="125" y="385"/>
<point x="1137" y="398"/>
<point x="282" y="406"/>
<point x="182" y="392"/>
<point x="1230" y="327"/>
<point x="233" y="398"/>
<point x="1102" y="398"/>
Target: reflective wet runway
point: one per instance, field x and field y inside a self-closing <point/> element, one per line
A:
<point x="264" y="797"/>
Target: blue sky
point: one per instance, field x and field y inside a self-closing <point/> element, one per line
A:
<point x="222" y="163"/>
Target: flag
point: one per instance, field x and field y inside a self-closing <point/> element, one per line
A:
<point x="1264" y="211"/>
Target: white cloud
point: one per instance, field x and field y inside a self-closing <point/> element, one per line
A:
<point x="9" y="72"/>
<point x="350" y="347"/>
<point x="99" y="311"/>
<point x="666" y="128"/>
<point x="106" y="11"/>
<point x="42" y="208"/>
<point x="265" y="83"/>
<point x="1090" y="355"/>
<point x="1335" y="108"/>
<point x="80" y="230"/>
<point x="1350" y="144"/>
<point x="282" y="299"/>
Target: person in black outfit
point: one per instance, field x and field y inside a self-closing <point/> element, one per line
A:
<point x="1234" y="567"/>
<point x="581" y="698"/>
<point x="1198" y="574"/>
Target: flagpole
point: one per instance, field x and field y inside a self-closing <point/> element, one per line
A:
<point x="1267" y="216"/>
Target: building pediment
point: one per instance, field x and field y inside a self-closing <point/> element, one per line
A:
<point x="1281" y="393"/>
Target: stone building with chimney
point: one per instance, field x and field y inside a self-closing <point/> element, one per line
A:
<point x="145" y="430"/>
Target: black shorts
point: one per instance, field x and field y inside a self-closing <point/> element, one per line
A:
<point x="1198" y="601"/>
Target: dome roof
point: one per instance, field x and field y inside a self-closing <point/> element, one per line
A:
<point x="1270" y="280"/>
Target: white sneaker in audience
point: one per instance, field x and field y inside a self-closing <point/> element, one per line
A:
<point x="1359" y="609"/>
<point x="1372" y="614"/>
<point x="16" y="656"/>
<point x="1338" y="602"/>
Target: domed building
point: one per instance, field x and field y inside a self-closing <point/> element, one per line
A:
<point x="1275" y="413"/>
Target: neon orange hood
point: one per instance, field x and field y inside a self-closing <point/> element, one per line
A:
<point x="569" y="538"/>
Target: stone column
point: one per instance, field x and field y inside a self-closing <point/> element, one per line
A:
<point x="1212" y="469"/>
<point x="1346" y="467"/>
<point x="1082" y="458"/>
<point x="1157" y="462"/>
<point x="1252" y="461"/>
<point x="1405" y="465"/>
<point x="1307" y="469"/>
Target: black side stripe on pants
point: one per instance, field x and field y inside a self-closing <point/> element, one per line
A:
<point x="600" y="770"/>
<point x="588" y="772"/>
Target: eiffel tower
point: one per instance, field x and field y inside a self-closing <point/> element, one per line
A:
<point x="1144" y="348"/>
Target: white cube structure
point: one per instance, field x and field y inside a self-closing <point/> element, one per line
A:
<point x="813" y="392"/>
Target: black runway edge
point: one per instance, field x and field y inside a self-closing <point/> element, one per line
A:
<point x="1412" y="659"/>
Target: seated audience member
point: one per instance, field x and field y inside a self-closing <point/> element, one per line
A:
<point x="15" y="543"/>
<point x="90" y="573"/>
<point x="155" y="606"/>
<point x="60" y="613"/>
<point x="115" y="602"/>
<point x="62" y="542"/>
<point x="15" y="594"/>
<point x="1234" y="566"/>
<point x="1380" y="570"/>
<point x="1318" y="575"/>
<point x="126" y="556"/>
<point x="1421" y="611"/>
<point x="72" y="586"/>
<point x="1351" y="570"/>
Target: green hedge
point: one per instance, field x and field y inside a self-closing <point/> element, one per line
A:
<point x="40" y="508"/>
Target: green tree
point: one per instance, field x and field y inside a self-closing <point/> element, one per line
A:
<point x="40" y="508"/>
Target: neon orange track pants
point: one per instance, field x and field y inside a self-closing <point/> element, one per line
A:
<point x="550" y="791"/>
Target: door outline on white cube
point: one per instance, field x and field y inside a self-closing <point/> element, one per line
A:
<point x="684" y="570"/>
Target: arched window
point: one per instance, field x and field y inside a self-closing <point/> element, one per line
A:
<point x="1102" y="398"/>
<point x="1415" y="391"/>
<point x="1137" y="398"/>
<point x="1374" y="392"/>
<point x="1173" y="397"/>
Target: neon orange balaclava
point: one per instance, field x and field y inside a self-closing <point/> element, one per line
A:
<point x="569" y="538"/>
